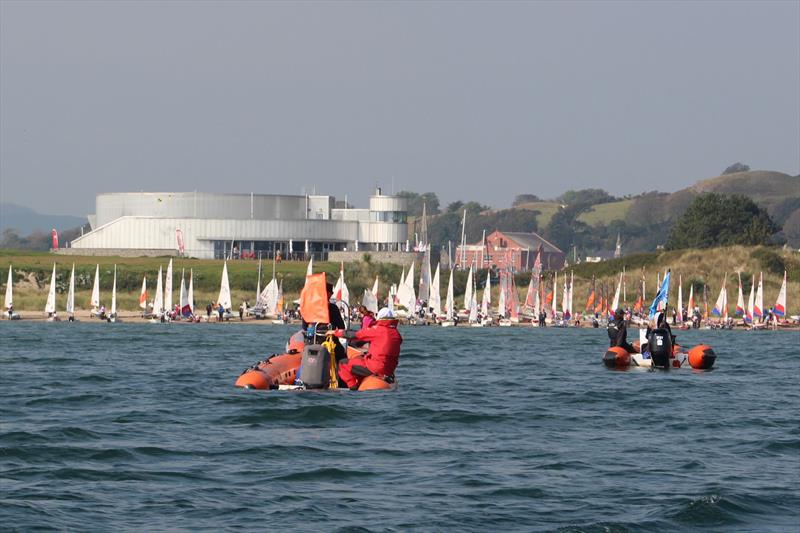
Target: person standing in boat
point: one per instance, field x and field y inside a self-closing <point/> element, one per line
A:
<point x="336" y="323"/>
<point x="382" y="356"/>
<point x="618" y="332"/>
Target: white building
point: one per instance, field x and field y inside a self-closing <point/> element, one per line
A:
<point x="211" y="225"/>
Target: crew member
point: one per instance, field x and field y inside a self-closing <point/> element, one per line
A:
<point x="618" y="332"/>
<point x="382" y="357"/>
<point x="336" y="322"/>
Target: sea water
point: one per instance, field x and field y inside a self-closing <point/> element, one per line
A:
<point x="138" y="427"/>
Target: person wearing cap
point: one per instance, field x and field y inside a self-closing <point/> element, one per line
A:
<point x="618" y="332"/>
<point x="384" y="351"/>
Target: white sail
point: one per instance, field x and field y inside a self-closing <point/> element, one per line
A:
<point x="721" y="306"/>
<point x="183" y="301"/>
<point x="449" y="301"/>
<point x="571" y="286"/>
<point x="748" y="311"/>
<point x="565" y="299"/>
<point x="740" y="298"/>
<point x="268" y="299"/>
<point x="190" y="292"/>
<point x="435" y="297"/>
<point x="168" y="288"/>
<point x="468" y="291"/>
<point x="50" y="306"/>
<point x="679" y="310"/>
<point x="615" y="302"/>
<point x="375" y="287"/>
<point x="95" y="301"/>
<point x="143" y="294"/>
<point x="158" y="299"/>
<point x="224" y="297"/>
<point x="486" y="302"/>
<point x="553" y="306"/>
<point x="9" y="290"/>
<point x="411" y="295"/>
<point x="400" y="290"/>
<point x="691" y="306"/>
<point x="70" y="308"/>
<point x="758" y="309"/>
<point x="310" y="268"/>
<point x="473" y="306"/>
<point x="780" y="303"/>
<point x="114" y="294"/>
<point x="369" y="301"/>
<point x="340" y="291"/>
<point x="425" y="275"/>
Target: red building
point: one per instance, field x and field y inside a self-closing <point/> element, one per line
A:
<point x="504" y="249"/>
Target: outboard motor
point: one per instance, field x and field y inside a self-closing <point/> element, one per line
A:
<point x="315" y="367"/>
<point x="659" y="343"/>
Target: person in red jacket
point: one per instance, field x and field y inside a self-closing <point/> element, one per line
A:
<point x="383" y="354"/>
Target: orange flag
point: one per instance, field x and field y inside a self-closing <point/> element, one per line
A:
<point x="314" y="300"/>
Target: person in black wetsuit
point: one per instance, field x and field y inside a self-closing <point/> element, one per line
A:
<point x="618" y="332"/>
<point x="661" y="323"/>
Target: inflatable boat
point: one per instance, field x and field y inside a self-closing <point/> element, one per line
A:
<point x="280" y="371"/>
<point x="659" y="352"/>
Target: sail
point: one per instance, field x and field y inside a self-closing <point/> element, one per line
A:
<point x="513" y="298"/>
<point x="168" y="288"/>
<point x="780" y="303"/>
<point x="184" y="301"/>
<point x="375" y="287"/>
<point x="310" y="268"/>
<point x="758" y="308"/>
<point x="95" y="301"/>
<point x="502" y="300"/>
<point x="50" y="306"/>
<point x="258" y="282"/>
<point x="114" y="294"/>
<point x="425" y="276"/>
<point x="721" y="306"/>
<point x="279" y="305"/>
<point x="400" y="290"/>
<point x="340" y="291"/>
<point x="158" y="299"/>
<point x="740" y="298"/>
<point x="9" y="290"/>
<point x="468" y="291"/>
<point x="530" y="293"/>
<point x="70" y="307"/>
<point x="369" y="301"/>
<point x="435" y="299"/>
<point x="553" y="307"/>
<point x="571" y="287"/>
<point x="411" y="296"/>
<point x="190" y="292"/>
<point x="143" y="294"/>
<point x="690" y="306"/>
<point x="473" y="308"/>
<point x="487" y="295"/>
<point x="537" y="305"/>
<point x="679" y="311"/>
<point x="268" y="299"/>
<point x="615" y="302"/>
<point x="748" y="312"/>
<point x="224" y="297"/>
<point x="450" y="301"/>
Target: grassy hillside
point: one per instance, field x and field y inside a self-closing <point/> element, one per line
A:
<point x="759" y="185"/>
<point x="605" y="213"/>
<point x="32" y="276"/>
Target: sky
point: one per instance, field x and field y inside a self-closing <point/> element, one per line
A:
<point x="470" y="100"/>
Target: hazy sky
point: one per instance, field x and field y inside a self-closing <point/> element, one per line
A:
<point x="475" y="101"/>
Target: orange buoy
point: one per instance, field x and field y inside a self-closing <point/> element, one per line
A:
<point x="617" y="357"/>
<point x="702" y="357"/>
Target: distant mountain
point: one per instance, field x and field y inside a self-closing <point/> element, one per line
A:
<point x="24" y="220"/>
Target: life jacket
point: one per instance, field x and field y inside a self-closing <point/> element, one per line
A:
<point x="384" y="346"/>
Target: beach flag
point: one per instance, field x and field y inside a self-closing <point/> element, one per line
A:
<point x="662" y="297"/>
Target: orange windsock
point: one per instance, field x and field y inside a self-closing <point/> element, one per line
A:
<point x="314" y="300"/>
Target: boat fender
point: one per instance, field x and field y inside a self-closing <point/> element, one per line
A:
<point x="617" y="357"/>
<point x="702" y="357"/>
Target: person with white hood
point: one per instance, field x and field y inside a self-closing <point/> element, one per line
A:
<point x="382" y="356"/>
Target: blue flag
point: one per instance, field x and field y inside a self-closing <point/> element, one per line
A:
<point x="662" y="297"/>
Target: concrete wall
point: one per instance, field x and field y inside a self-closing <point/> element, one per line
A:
<point x="396" y="258"/>
<point x="119" y="252"/>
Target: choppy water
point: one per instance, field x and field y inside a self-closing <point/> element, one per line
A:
<point x="138" y="427"/>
